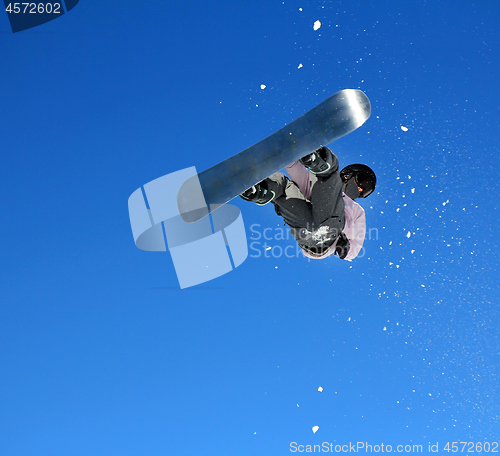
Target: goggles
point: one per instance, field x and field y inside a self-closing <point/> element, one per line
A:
<point x="364" y="181"/>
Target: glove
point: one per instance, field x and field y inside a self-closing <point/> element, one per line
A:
<point x="342" y="247"/>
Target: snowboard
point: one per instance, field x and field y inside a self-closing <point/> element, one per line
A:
<point x="338" y="115"/>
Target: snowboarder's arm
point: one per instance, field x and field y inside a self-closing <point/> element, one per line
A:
<point x="355" y="227"/>
<point x="300" y="175"/>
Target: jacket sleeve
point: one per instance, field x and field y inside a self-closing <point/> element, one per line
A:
<point x="300" y="175"/>
<point x="355" y="227"/>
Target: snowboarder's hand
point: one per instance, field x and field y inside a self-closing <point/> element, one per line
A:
<point x="342" y="247"/>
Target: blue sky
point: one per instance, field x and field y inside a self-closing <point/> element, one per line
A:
<point x="101" y="352"/>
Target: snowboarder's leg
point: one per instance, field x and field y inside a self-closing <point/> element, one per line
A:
<point x="326" y="199"/>
<point x="314" y="228"/>
<point x="327" y="203"/>
<point x="293" y="207"/>
<point x="297" y="212"/>
<point x="326" y="186"/>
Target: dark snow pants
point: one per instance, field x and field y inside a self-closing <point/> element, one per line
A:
<point x="314" y="223"/>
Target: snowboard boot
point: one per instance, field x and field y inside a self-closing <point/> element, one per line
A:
<point x="258" y="194"/>
<point x="319" y="162"/>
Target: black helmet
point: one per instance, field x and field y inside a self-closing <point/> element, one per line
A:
<point x="364" y="177"/>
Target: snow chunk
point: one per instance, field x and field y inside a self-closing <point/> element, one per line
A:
<point x="320" y="389"/>
<point x="315" y="429"/>
<point x="408" y="234"/>
<point x="385" y="328"/>
<point x="413" y="190"/>
<point x="404" y="128"/>
<point x="300" y="66"/>
<point x="317" y="25"/>
<point x="262" y="86"/>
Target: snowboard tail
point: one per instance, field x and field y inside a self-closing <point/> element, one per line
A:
<point x="338" y="115"/>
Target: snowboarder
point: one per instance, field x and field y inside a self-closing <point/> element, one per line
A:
<point x="317" y="203"/>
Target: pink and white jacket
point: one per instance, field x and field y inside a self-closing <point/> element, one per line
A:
<point x="355" y="219"/>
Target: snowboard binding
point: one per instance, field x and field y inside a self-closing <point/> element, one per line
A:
<point x="258" y="194"/>
<point x="319" y="162"/>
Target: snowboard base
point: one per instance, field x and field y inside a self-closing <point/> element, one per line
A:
<point x="338" y="115"/>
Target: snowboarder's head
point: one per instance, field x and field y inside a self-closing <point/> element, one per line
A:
<point x="358" y="181"/>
